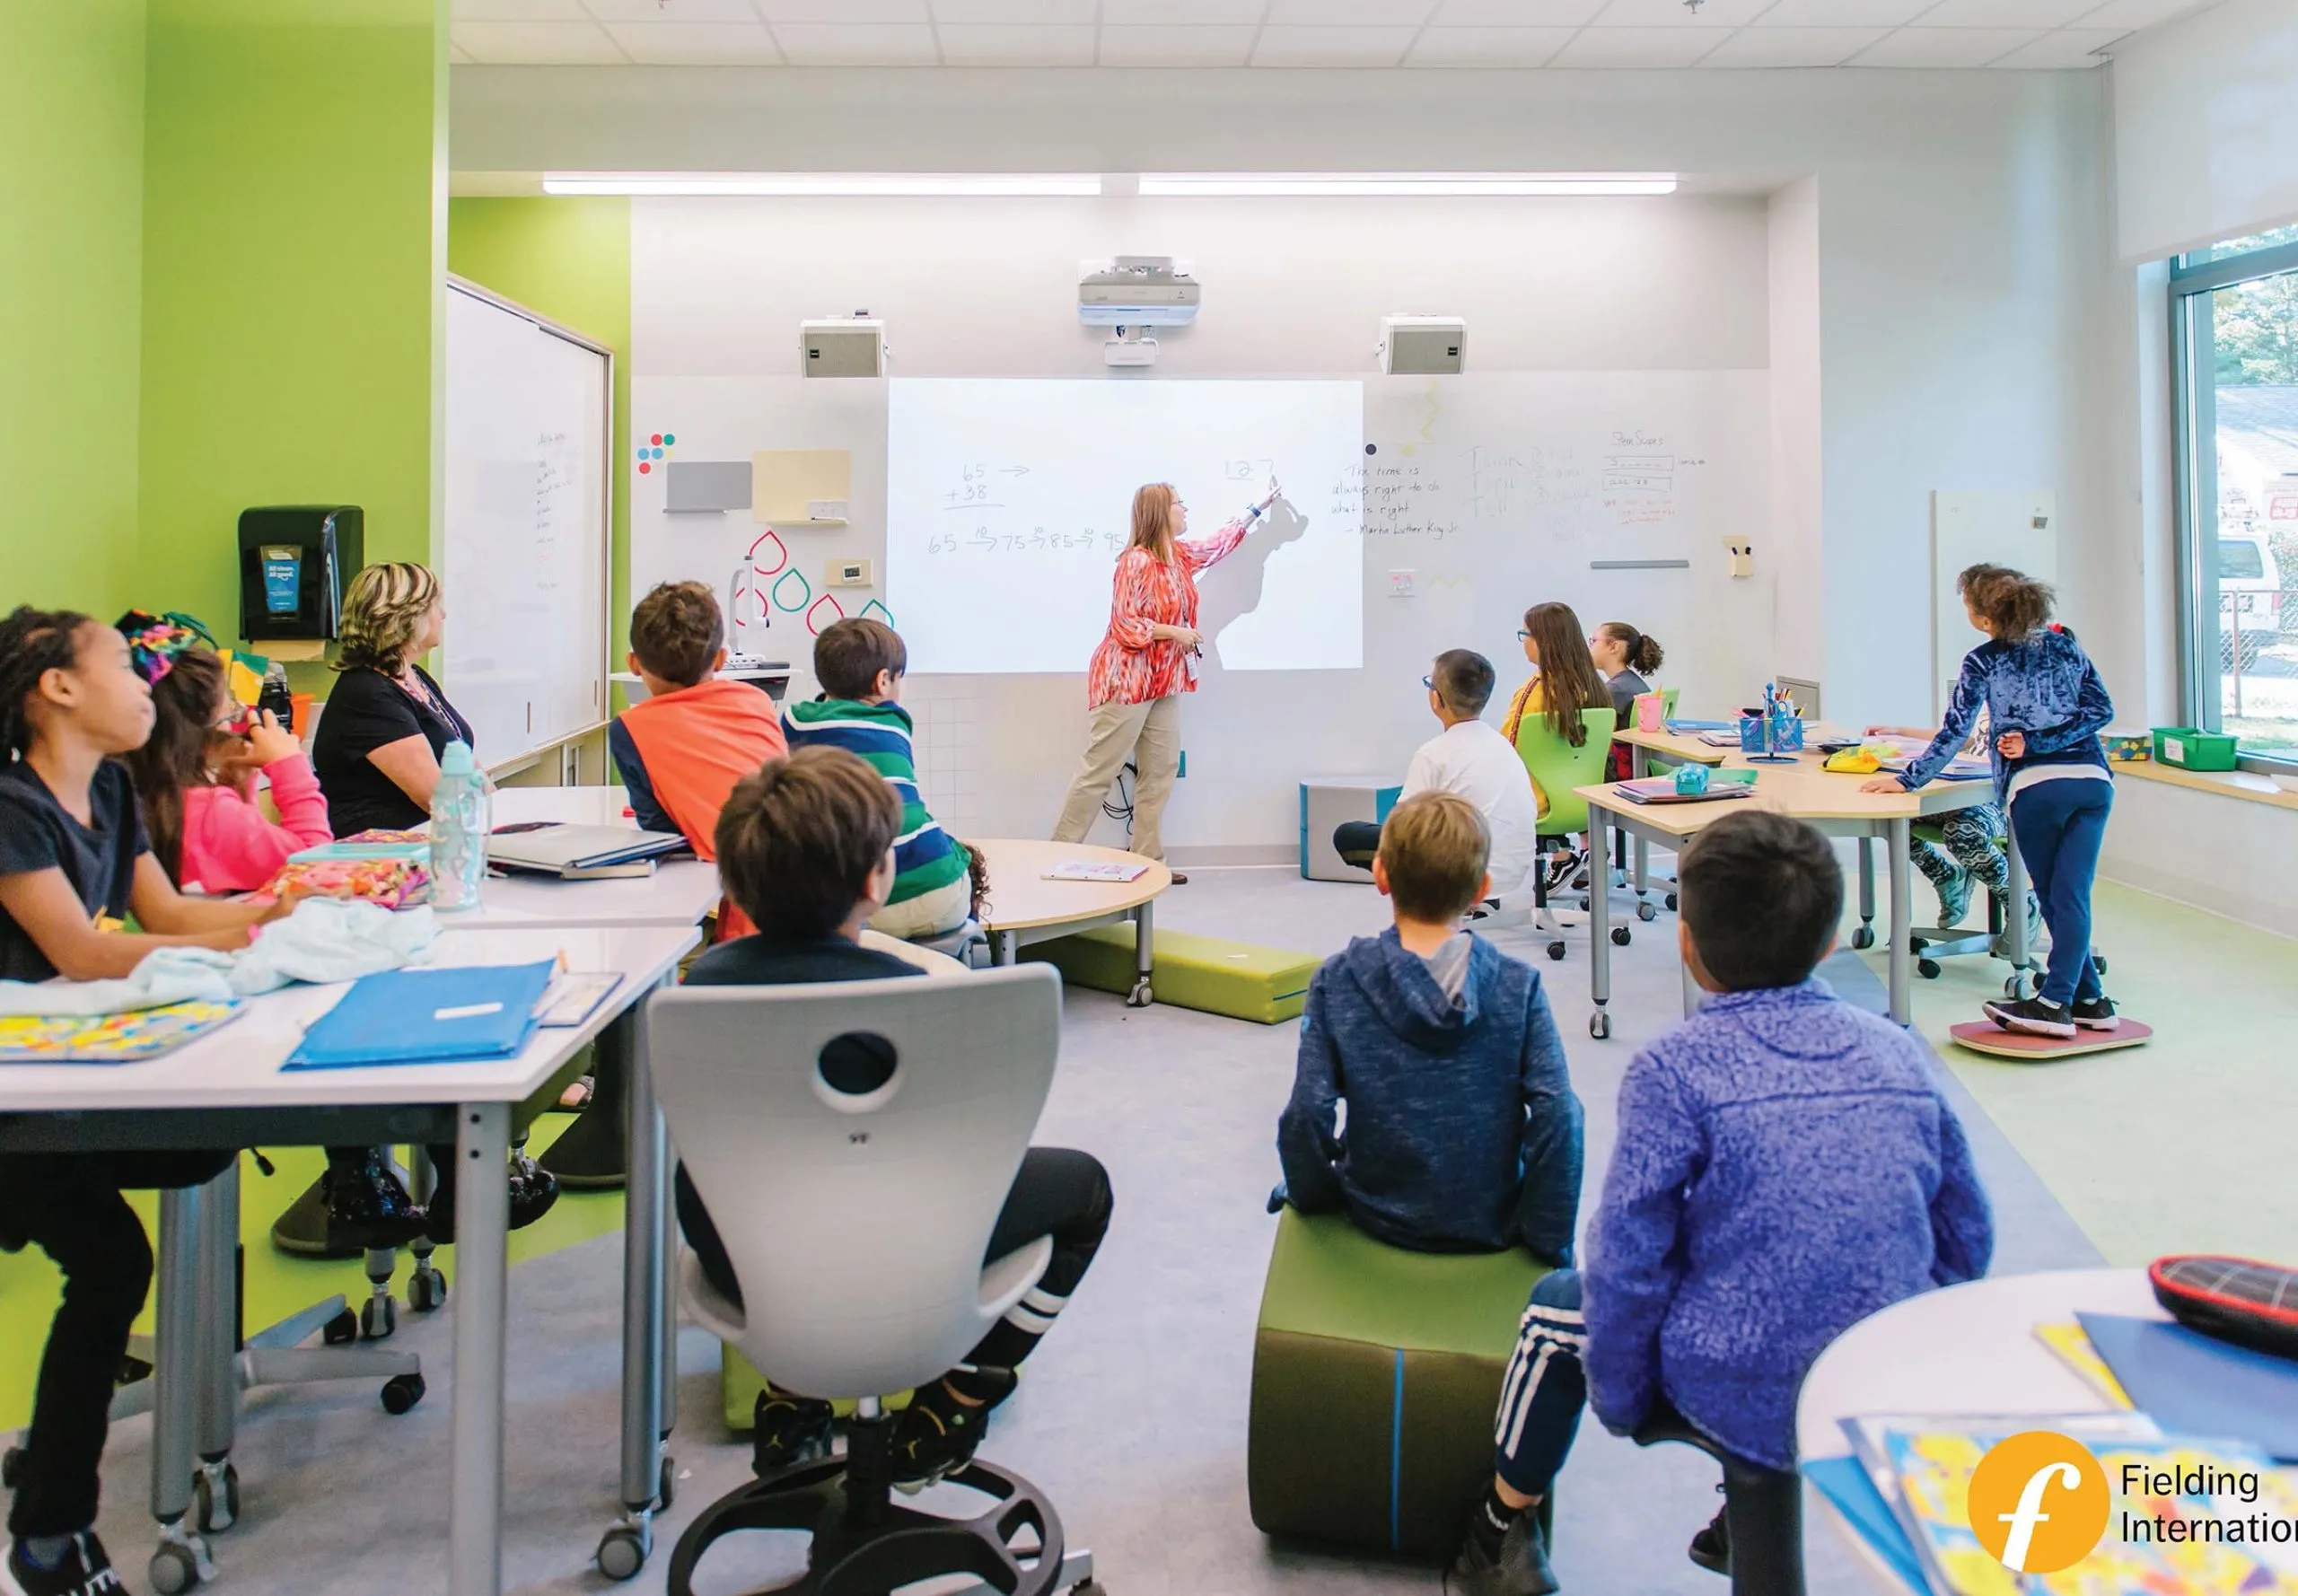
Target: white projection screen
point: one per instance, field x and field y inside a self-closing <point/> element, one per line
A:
<point x="1009" y="500"/>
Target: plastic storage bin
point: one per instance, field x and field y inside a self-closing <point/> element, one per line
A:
<point x="2188" y="748"/>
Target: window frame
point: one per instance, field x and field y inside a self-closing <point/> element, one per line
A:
<point x="2194" y="411"/>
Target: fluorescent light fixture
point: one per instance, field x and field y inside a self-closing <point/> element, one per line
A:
<point x="1262" y="184"/>
<point x="837" y="184"/>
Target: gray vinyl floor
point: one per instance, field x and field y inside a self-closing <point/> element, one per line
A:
<point x="1133" y="1417"/>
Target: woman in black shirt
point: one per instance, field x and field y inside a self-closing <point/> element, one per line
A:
<point x="386" y="724"/>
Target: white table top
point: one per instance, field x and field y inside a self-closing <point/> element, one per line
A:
<point x="1020" y="899"/>
<point x="680" y="892"/>
<point x="239" y="1066"/>
<point x="1969" y="1349"/>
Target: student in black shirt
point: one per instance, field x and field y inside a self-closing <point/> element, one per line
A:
<point x="806" y="847"/>
<point x="386" y="724"/>
<point x="74" y="865"/>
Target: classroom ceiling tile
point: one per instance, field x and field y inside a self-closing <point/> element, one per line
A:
<point x="538" y="44"/>
<point x="1675" y="15"/>
<point x="856" y="44"/>
<point x="1488" y="47"/>
<point x="1843" y="13"/>
<point x="696" y="44"/>
<point x="2002" y="13"/>
<point x="1032" y="13"/>
<point x="844" y="13"/>
<point x="672" y="11"/>
<point x="2066" y="48"/>
<point x="1344" y="13"/>
<point x="1181" y="14"/>
<point x="1331" y="47"/>
<point x="1176" y="47"/>
<point x="2138" y="13"/>
<point x="1516" y="14"/>
<point x="1945" y="46"/>
<point x="1009" y="44"/>
<point x="1638" y="46"/>
<point x="518" y="10"/>
<point x="1791" y="47"/>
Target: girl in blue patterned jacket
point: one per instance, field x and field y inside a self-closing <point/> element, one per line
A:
<point x="2047" y="707"/>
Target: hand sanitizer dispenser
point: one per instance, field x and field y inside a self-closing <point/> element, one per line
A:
<point x="295" y="563"/>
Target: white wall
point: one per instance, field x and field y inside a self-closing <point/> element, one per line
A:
<point x="2206" y="128"/>
<point x="1797" y="546"/>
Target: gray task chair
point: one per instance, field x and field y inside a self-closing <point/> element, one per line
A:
<point x="854" y="1143"/>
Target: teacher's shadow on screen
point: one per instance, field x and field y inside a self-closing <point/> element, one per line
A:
<point x="1233" y="589"/>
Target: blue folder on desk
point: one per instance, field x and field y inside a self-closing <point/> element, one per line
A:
<point x="424" y="1016"/>
<point x="2195" y="1385"/>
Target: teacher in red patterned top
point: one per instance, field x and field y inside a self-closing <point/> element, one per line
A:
<point x="1145" y="662"/>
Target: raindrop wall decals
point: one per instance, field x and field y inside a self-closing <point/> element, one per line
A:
<point x="805" y="591"/>
<point x="781" y="554"/>
<point x="873" y="611"/>
<point x="814" y="623"/>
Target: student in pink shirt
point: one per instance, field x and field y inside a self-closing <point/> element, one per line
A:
<point x="196" y="777"/>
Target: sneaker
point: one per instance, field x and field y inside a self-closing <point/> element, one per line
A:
<point x="1519" y="1566"/>
<point x="937" y="1435"/>
<point x="2032" y="1016"/>
<point x="1954" y="897"/>
<point x="86" y="1570"/>
<point x="1560" y="867"/>
<point x="533" y="1191"/>
<point x="2002" y="948"/>
<point x="791" y="1429"/>
<point x="1711" y="1549"/>
<point x="367" y="1207"/>
<point x="2098" y="1014"/>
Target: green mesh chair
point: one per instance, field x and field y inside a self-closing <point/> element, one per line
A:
<point x="1558" y="768"/>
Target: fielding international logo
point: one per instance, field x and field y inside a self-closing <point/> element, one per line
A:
<point x="2039" y="1501"/>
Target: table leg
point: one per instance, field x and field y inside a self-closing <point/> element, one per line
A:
<point x="1600" y="939"/>
<point x="482" y="1290"/>
<point x="1902" y="930"/>
<point x="219" y="1333"/>
<point x="2014" y="931"/>
<point x="181" y="1558"/>
<point x="1144" y="955"/>
<point x="1865" y="935"/>
<point x="645" y="1313"/>
<point x="1005" y="947"/>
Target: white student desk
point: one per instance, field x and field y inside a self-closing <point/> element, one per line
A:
<point x="228" y="1089"/>
<point x="1968" y="1350"/>
<point x="680" y="892"/>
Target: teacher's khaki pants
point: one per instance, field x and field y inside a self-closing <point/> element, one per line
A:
<point x="1151" y="734"/>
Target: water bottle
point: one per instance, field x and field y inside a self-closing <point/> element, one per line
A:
<point x="459" y="828"/>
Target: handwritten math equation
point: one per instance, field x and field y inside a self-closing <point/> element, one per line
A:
<point x="982" y="540"/>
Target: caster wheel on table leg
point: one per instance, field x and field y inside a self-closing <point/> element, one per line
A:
<point x="173" y="1571"/>
<point x="1555" y="949"/>
<point x="1863" y="938"/>
<point x="1672" y="901"/>
<point x="215" y="1498"/>
<point x="401" y="1392"/>
<point x="1599" y="1025"/>
<point x="426" y="1290"/>
<point x="2098" y="963"/>
<point x="1621" y="936"/>
<point x="341" y="1330"/>
<point x="2021" y="986"/>
<point x="1141" y="997"/>
<point x="378" y="1318"/>
<point x="1928" y="968"/>
<point x="1646" y="913"/>
<point x="666" y="1488"/>
<point x="624" y="1551"/>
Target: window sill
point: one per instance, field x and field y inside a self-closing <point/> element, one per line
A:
<point x="2229" y="783"/>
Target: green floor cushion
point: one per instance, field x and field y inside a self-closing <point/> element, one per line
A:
<point x="1238" y="979"/>
<point x="1376" y="1372"/>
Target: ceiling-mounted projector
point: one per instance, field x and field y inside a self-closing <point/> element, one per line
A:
<point x="1137" y="290"/>
<point x="1422" y="345"/>
<point x="842" y="347"/>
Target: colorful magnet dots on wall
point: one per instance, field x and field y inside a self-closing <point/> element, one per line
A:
<point x="651" y="448"/>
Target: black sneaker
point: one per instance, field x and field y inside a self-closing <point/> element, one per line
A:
<point x="2032" y="1016"/>
<point x="1518" y="1566"/>
<point x="2098" y="1014"/>
<point x="937" y="1435"/>
<point x="1711" y="1549"/>
<point x="367" y="1208"/>
<point x="533" y="1191"/>
<point x="790" y="1429"/>
<point x="86" y="1570"/>
<point x="1560" y="866"/>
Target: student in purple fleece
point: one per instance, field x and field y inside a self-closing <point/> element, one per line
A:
<point x="1787" y="1166"/>
<point x="1464" y="1134"/>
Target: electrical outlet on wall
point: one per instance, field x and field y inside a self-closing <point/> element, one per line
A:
<point x="1400" y="585"/>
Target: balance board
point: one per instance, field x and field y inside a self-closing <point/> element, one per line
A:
<point x="1985" y="1036"/>
<point x="1239" y="980"/>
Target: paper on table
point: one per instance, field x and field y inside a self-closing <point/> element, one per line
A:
<point x="2073" y="1347"/>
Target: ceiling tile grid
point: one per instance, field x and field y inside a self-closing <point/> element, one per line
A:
<point x="2041" y="35"/>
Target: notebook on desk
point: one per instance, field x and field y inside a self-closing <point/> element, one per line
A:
<point x="425" y="1016"/>
<point x="562" y="849"/>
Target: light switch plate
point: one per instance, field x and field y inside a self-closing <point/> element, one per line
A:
<point x="1400" y="585"/>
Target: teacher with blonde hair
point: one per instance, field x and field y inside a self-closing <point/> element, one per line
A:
<point x="1146" y="661"/>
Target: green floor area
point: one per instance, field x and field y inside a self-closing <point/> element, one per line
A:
<point x="2181" y="1146"/>
<point x="277" y="1284"/>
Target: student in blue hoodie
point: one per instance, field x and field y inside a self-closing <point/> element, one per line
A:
<point x="2047" y="706"/>
<point x="1786" y="1165"/>
<point x="1464" y="1134"/>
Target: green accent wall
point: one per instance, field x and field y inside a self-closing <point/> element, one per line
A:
<point x="569" y="259"/>
<point x="295" y="238"/>
<point x="71" y="295"/>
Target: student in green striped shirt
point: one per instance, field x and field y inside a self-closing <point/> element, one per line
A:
<point x="860" y="665"/>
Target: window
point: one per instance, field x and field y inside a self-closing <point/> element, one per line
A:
<point x="2234" y="329"/>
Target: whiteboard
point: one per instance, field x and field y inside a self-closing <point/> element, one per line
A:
<point x="1008" y="500"/>
<point x="2018" y="529"/>
<point x="529" y="492"/>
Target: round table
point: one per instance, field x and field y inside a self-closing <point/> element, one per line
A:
<point x="1967" y="1349"/>
<point x="1025" y="907"/>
